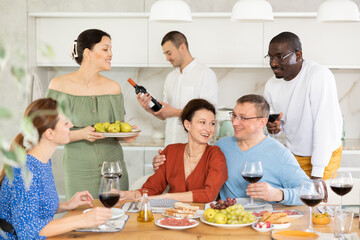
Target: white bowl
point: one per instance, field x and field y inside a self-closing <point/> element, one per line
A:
<point x="262" y="229"/>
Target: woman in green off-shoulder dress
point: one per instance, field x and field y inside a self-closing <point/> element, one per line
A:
<point x="88" y="98"/>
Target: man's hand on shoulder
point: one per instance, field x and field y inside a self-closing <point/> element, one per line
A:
<point x="158" y="160"/>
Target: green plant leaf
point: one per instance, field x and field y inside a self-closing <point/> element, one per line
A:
<point x="5" y="113"/>
<point x="18" y="72"/>
<point x="9" y="172"/>
<point x="2" y="51"/>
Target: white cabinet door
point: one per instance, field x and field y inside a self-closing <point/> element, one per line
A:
<point x="129" y="39"/>
<point x="213" y="41"/>
<point x="331" y="44"/>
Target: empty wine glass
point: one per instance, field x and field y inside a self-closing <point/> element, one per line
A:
<point x="312" y="193"/>
<point x="109" y="193"/>
<point x="252" y="172"/>
<point x="341" y="183"/>
<point x="111" y="169"/>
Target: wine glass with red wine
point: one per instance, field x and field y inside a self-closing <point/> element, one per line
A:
<point x="109" y="193"/>
<point x="252" y="172"/>
<point x="341" y="183"/>
<point x="312" y="192"/>
<point x="111" y="169"/>
<point x="272" y="118"/>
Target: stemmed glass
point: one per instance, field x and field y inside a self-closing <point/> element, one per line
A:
<point x="312" y="192"/>
<point x="109" y="193"/>
<point x="252" y="172"/>
<point x="111" y="169"/>
<point x="272" y="118"/>
<point x="341" y="183"/>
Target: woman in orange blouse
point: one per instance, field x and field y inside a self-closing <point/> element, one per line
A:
<point x="194" y="171"/>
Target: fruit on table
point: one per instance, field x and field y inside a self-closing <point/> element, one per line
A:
<point x="321" y="219"/>
<point x="99" y="127"/>
<point x="266" y="224"/>
<point x="234" y="215"/>
<point x="221" y="204"/>
<point x="209" y="214"/>
<point x="125" y="127"/>
<point x="220" y="218"/>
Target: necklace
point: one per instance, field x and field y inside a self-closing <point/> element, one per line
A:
<point x="191" y="165"/>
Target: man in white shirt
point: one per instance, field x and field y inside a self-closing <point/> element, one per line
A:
<point x="187" y="81"/>
<point x="305" y="95"/>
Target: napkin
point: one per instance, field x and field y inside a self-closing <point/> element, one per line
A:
<point x="116" y="226"/>
<point x="330" y="236"/>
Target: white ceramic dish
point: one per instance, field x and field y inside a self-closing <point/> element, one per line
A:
<point x="198" y="214"/>
<point x="116" y="212"/>
<point x="121" y="134"/>
<point x="262" y="229"/>
<point x="227" y="226"/>
<point x="244" y="201"/>
<point x="157" y="223"/>
<point x="330" y="209"/>
<point x="281" y="226"/>
<point x="297" y="215"/>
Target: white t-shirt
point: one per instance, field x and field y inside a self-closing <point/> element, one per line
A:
<point x="312" y="119"/>
<point x="196" y="81"/>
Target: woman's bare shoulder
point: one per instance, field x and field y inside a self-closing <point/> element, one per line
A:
<point x="58" y="83"/>
<point x="112" y="86"/>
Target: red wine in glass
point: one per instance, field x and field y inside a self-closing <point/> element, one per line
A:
<point x="310" y="201"/>
<point x="252" y="172"/>
<point x="252" y="178"/>
<point x="311" y="193"/>
<point x="109" y="199"/>
<point x="341" y="183"/>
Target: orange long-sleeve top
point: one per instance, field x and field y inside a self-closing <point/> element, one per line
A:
<point x="205" y="181"/>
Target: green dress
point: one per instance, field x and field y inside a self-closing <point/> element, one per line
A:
<point x="82" y="160"/>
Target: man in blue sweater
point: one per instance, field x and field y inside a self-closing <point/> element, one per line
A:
<point x="282" y="175"/>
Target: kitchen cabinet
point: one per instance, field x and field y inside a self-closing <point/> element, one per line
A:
<point x="55" y="37"/>
<point x="332" y="44"/>
<point x="214" y="41"/>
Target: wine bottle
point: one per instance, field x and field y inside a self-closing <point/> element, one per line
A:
<point x="153" y="104"/>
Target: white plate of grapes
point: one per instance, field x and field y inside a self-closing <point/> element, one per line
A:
<point x="227" y="214"/>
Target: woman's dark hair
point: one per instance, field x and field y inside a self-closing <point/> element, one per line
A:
<point x="44" y="115"/>
<point x="86" y="39"/>
<point x="195" y="105"/>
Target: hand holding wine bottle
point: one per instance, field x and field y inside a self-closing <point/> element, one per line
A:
<point x="273" y="124"/>
<point x="153" y="104"/>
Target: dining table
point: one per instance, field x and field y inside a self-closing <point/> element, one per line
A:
<point x="148" y="230"/>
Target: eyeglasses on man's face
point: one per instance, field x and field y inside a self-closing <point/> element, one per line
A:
<point x="278" y="58"/>
<point x="233" y="116"/>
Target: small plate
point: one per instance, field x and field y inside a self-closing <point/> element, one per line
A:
<point x="227" y="226"/>
<point x="116" y="212"/>
<point x="198" y="214"/>
<point x="262" y="229"/>
<point x="282" y="226"/>
<point x="244" y="201"/>
<point x="294" y="235"/>
<point x="290" y="213"/>
<point x="121" y="134"/>
<point x="157" y="222"/>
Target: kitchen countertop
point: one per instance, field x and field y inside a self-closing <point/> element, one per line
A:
<point x="149" y="141"/>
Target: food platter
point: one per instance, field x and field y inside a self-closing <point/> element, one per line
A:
<point x="290" y="213"/>
<point x="158" y="223"/>
<point x="116" y="212"/>
<point x="121" y="134"/>
<point x="227" y="226"/>
<point x="198" y="214"/>
<point x="258" y="203"/>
